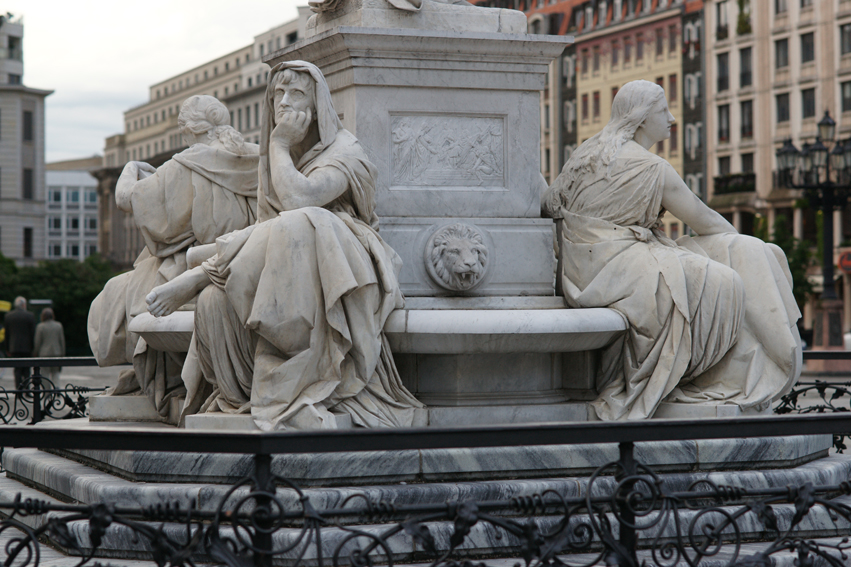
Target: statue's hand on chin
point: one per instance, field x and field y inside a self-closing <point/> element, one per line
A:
<point x="292" y="127"/>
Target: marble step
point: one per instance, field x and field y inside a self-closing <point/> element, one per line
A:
<point x="71" y="481"/>
<point x="451" y="465"/>
<point x="484" y="540"/>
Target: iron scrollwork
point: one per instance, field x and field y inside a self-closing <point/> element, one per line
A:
<point x="832" y="398"/>
<point x="626" y="517"/>
<point x="38" y="398"/>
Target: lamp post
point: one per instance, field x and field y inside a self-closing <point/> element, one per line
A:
<point x="823" y="175"/>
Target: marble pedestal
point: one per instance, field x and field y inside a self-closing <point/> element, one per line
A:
<point x="443" y="114"/>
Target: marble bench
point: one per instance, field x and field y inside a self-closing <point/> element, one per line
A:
<point x="476" y="360"/>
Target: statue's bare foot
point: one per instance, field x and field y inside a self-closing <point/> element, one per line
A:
<point x="167" y="298"/>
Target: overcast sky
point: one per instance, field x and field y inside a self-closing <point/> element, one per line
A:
<point x="100" y="56"/>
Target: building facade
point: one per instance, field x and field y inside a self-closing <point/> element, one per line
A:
<point x="151" y="134"/>
<point x="770" y="79"/>
<point x="617" y="41"/>
<point x="22" y="193"/>
<point x="71" y="224"/>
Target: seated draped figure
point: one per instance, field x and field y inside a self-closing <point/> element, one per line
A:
<point x="203" y="192"/>
<point x="712" y="318"/>
<point x="289" y="321"/>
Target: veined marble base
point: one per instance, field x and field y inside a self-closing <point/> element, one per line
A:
<point x="30" y="470"/>
<point x="456" y="465"/>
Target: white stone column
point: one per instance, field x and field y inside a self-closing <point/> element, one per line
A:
<point x="737" y="220"/>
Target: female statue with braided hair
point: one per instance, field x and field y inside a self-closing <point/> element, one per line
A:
<point x="291" y="331"/>
<point x="712" y="318"/>
<point x="203" y="192"/>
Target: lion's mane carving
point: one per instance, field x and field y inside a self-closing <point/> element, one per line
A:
<point x="458" y="257"/>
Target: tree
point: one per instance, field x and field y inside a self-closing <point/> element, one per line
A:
<point x="72" y="286"/>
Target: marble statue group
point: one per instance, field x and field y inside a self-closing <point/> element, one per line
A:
<point x="277" y="249"/>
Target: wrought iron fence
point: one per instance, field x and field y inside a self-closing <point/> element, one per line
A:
<point x="38" y="398"/>
<point x="633" y="520"/>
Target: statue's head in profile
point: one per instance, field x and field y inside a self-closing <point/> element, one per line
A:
<point x="639" y="112"/>
<point x="203" y="119"/>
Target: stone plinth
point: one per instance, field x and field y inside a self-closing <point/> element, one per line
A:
<point x="442" y="115"/>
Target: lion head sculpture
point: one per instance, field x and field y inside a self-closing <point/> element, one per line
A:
<point x="457" y="257"/>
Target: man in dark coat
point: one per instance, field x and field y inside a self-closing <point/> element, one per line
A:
<point x="20" y="333"/>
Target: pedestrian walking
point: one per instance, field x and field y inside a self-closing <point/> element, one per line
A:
<point x="20" y="334"/>
<point x="49" y="341"/>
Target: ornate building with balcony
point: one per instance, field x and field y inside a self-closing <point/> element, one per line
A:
<point x="22" y="195"/>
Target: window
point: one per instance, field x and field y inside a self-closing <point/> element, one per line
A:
<point x="28" y="184"/>
<point x="672" y="88"/>
<point x="639" y="47"/>
<point x="256" y="115"/>
<point x="615" y="53"/>
<point x="747" y="163"/>
<point x="723" y="71"/>
<point x="724" y="123"/>
<point x="808" y="103"/>
<point x="55" y="195"/>
<point x="660" y="147"/>
<point x="14" y="79"/>
<point x="660" y="42"/>
<point x="746" y="108"/>
<point x="845" y="39"/>
<point x="74" y="250"/>
<point x="779" y="6"/>
<point x="614" y="93"/>
<point x="28" y="242"/>
<point x="845" y="89"/>
<point x="627" y="50"/>
<point x="292" y="37"/>
<point x="584" y="60"/>
<point x="672" y="39"/>
<point x="596" y="105"/>
<point x="73" y="223"/>
<point x="721" y="17"/>
<point x="782" y="101"/>
<point x="585" y="107"/>
<point x="724" y="165"/>
<point x="806" y="3"/>
<point x="596" y="58"/>
<point x="91" y="196"/>
<point x="91" y="223"/>
<point x="808" y="48"/>
<point x="55" y="250"/>
<point x="54" y="223"/>
<point x="745" y="67"/>
<point x="74" y="195"/>
<point x="781" y="53"/>
<point x="28" y="126"/>
<point x="91" y="249"/>
<point x="674" y="144"/>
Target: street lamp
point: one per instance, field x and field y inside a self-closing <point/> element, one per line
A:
<point x="823" y="175"/>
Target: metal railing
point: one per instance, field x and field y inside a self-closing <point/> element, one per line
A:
<point x="635" y="520"/>
<point x="38" y="398"/>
